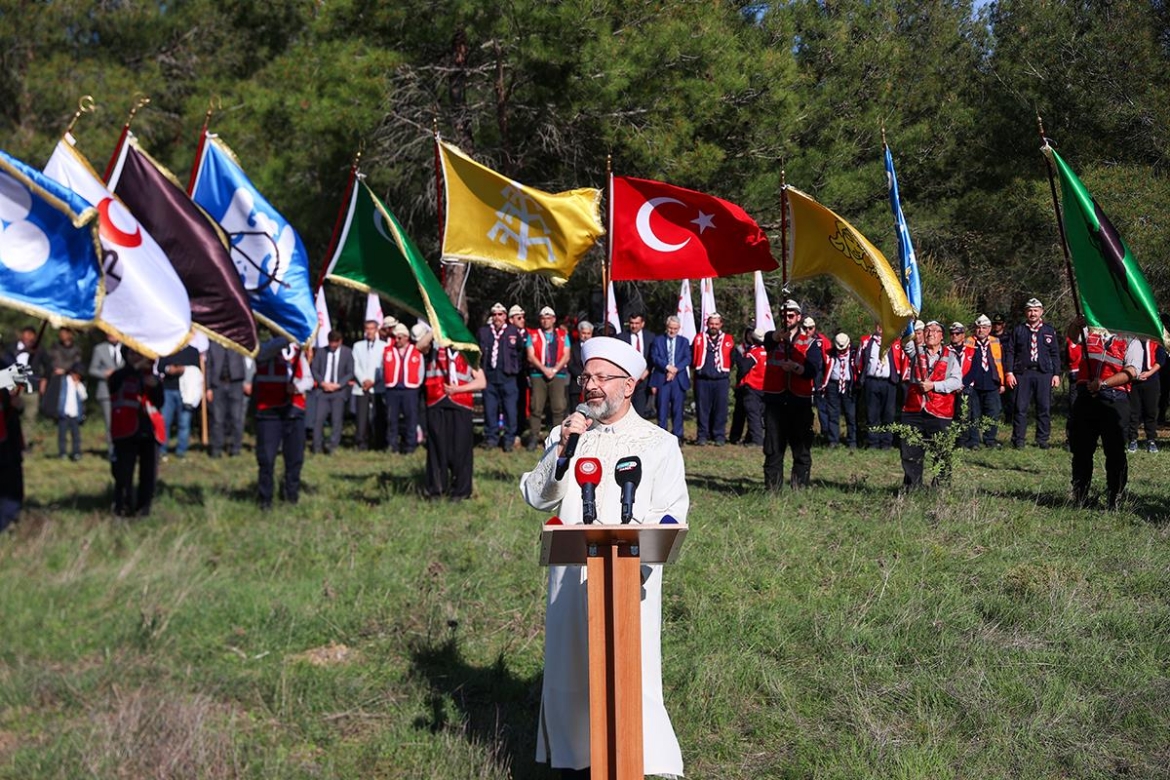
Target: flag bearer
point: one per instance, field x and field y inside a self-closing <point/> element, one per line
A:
<point x="282" y="378"/>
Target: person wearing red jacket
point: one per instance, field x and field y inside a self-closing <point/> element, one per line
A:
<point x="794" y="366"/>
<point x="282" y="378"/>
<point x="711" y="363"/>
<point x="934" y="376"/>
<point x="751" y="361"/>
<point x="137" y="429"/>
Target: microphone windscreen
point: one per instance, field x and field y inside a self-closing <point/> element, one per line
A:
<point x="587" y="471"/>
<point x="585" y="410"/>
<point x="628" y="470"/>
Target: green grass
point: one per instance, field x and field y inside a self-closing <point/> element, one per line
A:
<point x="984" y="631"/>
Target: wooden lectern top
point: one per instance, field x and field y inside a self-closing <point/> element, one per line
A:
<point x="568" y="545"/>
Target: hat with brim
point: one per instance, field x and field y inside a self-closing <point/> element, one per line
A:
<point x="982" y="321"/>
<point x="616" y="351"/>
<point x="547" y="311"/>
<point x="512" y="312"/>
<point x="1033" y="303"/>
<point x="958" y="327"/>
<point x="841" y="340"/>
<point x="790" y="305"/>
<point x="498" y="307"/>
<point x="389" y="322"/>
<point x="401" y="330"/>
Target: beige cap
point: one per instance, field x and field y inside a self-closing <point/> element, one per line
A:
<point x="547" y="312"/>
<point x="790" y="305"/>
<point x="982" y="321"/>
<point x="512" y="312"/>
<point x="498" y="307"/>
<point x="389" y="322"/>
<point x="958" y="327"/>
<point x="809" y="322"/>
<point x="841" y="340"/>
<point x="401" y="330"/>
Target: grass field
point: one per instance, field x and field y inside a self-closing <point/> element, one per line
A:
<point x="988" y="630"/>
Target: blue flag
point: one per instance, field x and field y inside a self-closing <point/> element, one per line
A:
<point x="50" y="255"/>
<point x="908" y="260"/>
<point x="268" y="253"/>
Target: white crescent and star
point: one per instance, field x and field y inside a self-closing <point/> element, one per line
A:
<point x="650" y="239"/>
<point x="380" y="225"/>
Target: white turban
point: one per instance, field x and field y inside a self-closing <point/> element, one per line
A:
<point x="616" y="351"/>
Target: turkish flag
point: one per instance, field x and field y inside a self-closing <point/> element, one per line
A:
<point x="659" y="231"/>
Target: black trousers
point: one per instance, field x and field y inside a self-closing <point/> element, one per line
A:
<point x="881" y="396"/>
<point x="982" y="404"/>
<point x="841" y="402"/>
<point x="449" y="450"/>
<point x="1032" y="385"/>
<point x="914" y="455"/>
<point x="402" y="419"/>
<point x="1143" y="408"/>
<point x="366" y="412"/>
<point x="283" y="432"/>
<point x="787" y="425"/>
<point x="226" y="411"/>
<point x="1098" y="418"/>
<point x="711" y="408"/>
<point x="749" y="409"/>
<point x="143" y="451"/>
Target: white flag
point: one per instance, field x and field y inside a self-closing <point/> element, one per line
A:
<point x="764" y="321"/>
<point x="374" y="309"/>
<point x="706" y="301"/>
<point x="611" y="312"/>
<point x="146" y="303"/>
<point x="323" y="323"/>
<point x="686" y="311"/>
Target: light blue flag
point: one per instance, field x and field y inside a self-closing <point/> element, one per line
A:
<point x="268" y="253"/>
<point x="909" y="261"/>
<point x="50" y="255"/>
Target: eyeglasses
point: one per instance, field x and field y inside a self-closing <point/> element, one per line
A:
<point x="599" y="378"/>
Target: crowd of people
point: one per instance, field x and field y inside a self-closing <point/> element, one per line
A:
<point x="769" y="390"/>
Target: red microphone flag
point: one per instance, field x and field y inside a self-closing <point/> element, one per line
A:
<point x="659" y="231"/>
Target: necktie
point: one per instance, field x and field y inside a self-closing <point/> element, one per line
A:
<point x="638" y="342"/>
<point x="1034" y="352"/>
<point x="496" y="345"/>
<point x="670" y="352"/>
<point x="983" y="349"/>
<point x="331" y="367"/>
<point x="842" y="368"/>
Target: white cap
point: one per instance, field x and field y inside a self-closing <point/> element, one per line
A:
<point x="401" y="330"/>
<point x="958" y="327"/>
<point x="389" y="322"/>
<point x="790" y="305"/>
<point x="982" y="321"/>
<point x="615" y="351"/>
<point x="498" y="307"/>
<point x="758" y="334"/>
<point x="547" y="312"/>
<point x="714" y="314"/>
<point x="512" y="312"/>
<point x="841" y="340"/>
<point x="419" y="330"/>
<point x="1033" y="303"/>
<point x="809" y="322"/>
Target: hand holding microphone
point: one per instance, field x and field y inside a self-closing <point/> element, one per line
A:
<point x="571" y="429"/>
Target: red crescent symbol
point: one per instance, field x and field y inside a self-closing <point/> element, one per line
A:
<point x="588" y="468"/>
<point x="111" y="233"/>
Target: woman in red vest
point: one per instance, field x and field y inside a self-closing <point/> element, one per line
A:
<point x="137" y="430"/>
<point x="933" y="376"/>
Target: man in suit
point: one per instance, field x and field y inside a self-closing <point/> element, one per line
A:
<point x="1031" y="365"/>
<point x="226" y="371"/>
<point x="106" y="359"/>
<point x="670" y="355"/>
<point x="368" y="386"/>
<point x="333" y="374"/>
<point x="640" y="339"/>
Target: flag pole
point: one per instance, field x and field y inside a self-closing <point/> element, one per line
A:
<point x="140" y="100"/>
<point x="439" y="199"/>
<point x="212" y="104"/>
<point x="784" y="232"/>
<point x="1072" y="281"/>
<point x="607" y="258"/>
<point x="341" y="212"/>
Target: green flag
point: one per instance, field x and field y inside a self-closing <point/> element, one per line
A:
<point x="374" y="254"/>
<point x="1114" y="292"/>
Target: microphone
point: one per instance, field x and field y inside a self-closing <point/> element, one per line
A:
<point x="628" y="474"/>
<point x="585" y="411"/>
<point x="588" y="474"/>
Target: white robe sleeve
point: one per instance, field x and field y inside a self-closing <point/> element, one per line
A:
<point x="540" y="488"/>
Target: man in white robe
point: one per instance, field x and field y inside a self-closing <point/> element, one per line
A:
<point x="614" y="432"/>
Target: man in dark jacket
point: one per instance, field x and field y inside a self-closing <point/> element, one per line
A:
<point x="226" y="372"/>
<point x="499" y="345"/>
<point x="1032" y="368"/>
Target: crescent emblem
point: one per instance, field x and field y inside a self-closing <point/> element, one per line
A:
<point x="647" y="235"/>
<point x="111" y="232"/>
<point x="380" y="226"/>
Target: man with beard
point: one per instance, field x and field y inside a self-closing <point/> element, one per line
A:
<point x="613" y="431"/>
<point x="1032" y="370"/>
<point x="711" y="360"/>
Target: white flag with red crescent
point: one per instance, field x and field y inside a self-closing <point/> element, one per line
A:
<point x="764" y="321"/>
<point x="611" y="311"/>
<point x="324" y="325"/>
<point x="686" y="311"/>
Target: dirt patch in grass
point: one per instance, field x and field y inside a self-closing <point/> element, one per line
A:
<point x="332" y="654"/>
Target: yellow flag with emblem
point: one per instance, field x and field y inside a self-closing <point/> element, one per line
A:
<point x="510" y="226"/>
<point x="824" y="244"/>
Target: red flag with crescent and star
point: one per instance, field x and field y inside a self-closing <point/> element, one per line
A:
<point x="659" y="231"/>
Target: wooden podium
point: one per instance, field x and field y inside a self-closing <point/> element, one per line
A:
<point x="614" y="555"/>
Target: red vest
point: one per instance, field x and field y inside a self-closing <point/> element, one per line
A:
<point x="270" y="386"/>
<point x="411" y="367"/>
<point x="126" y="406"/>
<point x="777" y="380"/>
<point x="935" y="404"/>
<point x="964" y="353"/>
<point x="699" y="351"/>
<point x="1101" y="358"/>
<point x="536" y="338"/>
<point x="443" y="370"/>
<point x="755" y="378"/>
<point x="1075" y="352"/>
<point x="895" y="355"/>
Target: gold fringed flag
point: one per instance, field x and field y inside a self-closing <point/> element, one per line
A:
<point x="823" y="243"/>
<point x="507" y="225"/>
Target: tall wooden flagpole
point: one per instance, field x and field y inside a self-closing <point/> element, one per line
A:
<point x="607" y="259"/>
<point x="784" y="233"/>
<point x="140" y="100"/>
<point x="1072" y="281"/>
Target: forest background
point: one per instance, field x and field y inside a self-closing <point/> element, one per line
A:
<point x="715" y="96"/>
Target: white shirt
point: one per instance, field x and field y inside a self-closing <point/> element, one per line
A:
<point x="563" y="730"/>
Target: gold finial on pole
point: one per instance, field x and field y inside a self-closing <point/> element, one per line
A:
<point x="214" y="103"/>
<point x="1040" y="126"/>
<point x="357" y="157"/>
<point x="140" y="100"/>
<point x="435" y="126"/>
<point x="84" y="106"/>
<point x="883" y="135"/>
